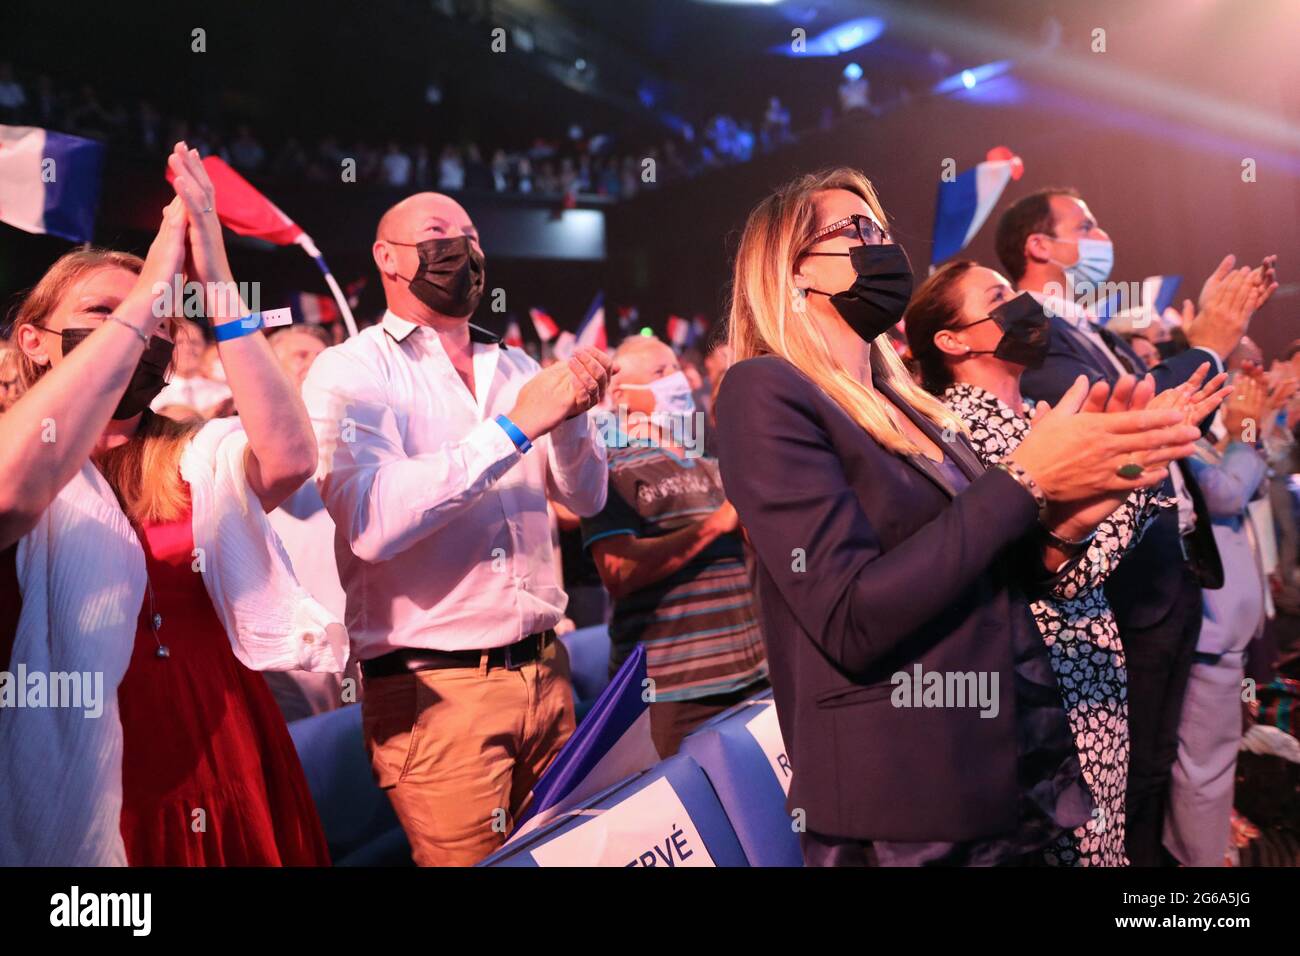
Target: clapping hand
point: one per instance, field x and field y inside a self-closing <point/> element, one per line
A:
<point x="1195" y="398"/>
<point x="207" y="247"/>
<point x="560" y="392"/>
<point x="1227" y="301"/>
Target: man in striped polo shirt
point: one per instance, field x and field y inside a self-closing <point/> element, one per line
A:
<point x="668" y="548"/>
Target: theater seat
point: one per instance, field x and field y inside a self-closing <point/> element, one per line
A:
<point x="742" y="754"/>
<point x="667" y="816"/>
<point x="588" y="649"/>
<point x="360" y="826"/>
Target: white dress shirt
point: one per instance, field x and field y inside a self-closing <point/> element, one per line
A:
<point x="442" y="536"/>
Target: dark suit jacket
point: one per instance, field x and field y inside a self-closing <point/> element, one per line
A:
<point x="867" y="565"/>
<point x="1147" y="582"/>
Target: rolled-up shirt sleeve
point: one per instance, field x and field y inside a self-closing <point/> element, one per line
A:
<point x="381" y="499"/>
<point x="578" y="476"/>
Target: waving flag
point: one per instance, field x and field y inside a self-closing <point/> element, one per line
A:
<point x="1157" y="295"/>
<point x="611" y="744"/>
<point x="628" y="317"/>
<point x="564" y="345"/>
<point x="679" y="332"/>
<point x="964" y="204"/>
<point x="314" y="309"/>
<point x="699" y="330"/>
<point x="49" y="182"/>
<point x="1158" y="292"/>
<point x="592" y="330"/>
<point x="544" y="324"/>
<point x="513" y="335"/>
<point x="242" y="209"/>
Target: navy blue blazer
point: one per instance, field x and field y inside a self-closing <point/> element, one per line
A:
<point x="1071" y="355"/>
<point x="1145" y="585"/>
<point x="868" y="565"/>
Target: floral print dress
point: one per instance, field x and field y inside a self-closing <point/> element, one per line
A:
<point x="1079" y="630"/>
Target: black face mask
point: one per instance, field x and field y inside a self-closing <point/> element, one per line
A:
<point x="1026" y="332"/>
<point x="879" y="295"/>
<point x="450" y="277"/>
<point x="147" y="380"/>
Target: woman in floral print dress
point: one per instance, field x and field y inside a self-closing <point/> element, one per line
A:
<point x="973" y="361"/>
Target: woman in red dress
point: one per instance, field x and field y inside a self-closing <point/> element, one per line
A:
<point x="190" y="763"/>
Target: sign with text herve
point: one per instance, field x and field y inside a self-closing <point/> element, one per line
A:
<point x="649" y="828"/>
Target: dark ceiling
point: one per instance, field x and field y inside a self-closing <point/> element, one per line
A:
<point x="361" y="68"/>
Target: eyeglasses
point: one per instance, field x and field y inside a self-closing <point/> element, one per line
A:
<point x="868" y="232"/>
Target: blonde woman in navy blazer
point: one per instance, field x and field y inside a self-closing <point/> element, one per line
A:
<point x="886" y="553"/>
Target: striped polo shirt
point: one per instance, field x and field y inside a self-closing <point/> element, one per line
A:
<point x="698" y="625"/>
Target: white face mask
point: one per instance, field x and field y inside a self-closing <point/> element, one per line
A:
<point x="672" y="394"/>
<point x="1096" y="258"/>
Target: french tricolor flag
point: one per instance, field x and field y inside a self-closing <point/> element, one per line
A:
<point x="1157" y="295"/>
<point x="544" y="324"/>
<point x="964" y="204"/>
<point x="699" y="329"/>
<point x="679" y="332"/>
<point x="612" y="743"/>
<point x="49" y="182"/>
<point x="513" y="335"/>
<point x="314" y="309"/>
<point x="592" y="330"/>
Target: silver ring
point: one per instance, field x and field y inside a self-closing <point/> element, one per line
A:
<point x="209" y="209"/>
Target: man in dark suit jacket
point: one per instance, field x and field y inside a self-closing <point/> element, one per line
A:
<point x="1156" y="591"/>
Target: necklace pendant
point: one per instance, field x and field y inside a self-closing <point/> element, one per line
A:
<point x="157" y="621"/>
<point x="162" y="652"/>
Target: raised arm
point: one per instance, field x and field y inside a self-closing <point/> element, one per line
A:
<point x="281" y="445"/>
<point x="577" y="473"/>
<point x="47" y="435"/>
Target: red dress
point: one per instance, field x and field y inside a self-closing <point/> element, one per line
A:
<point x="210" y="776"/>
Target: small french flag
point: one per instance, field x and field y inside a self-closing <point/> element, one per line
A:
<point x="679" y="331"/>
<point x="964" y="204"/>
<point x="699" y="329"/>
<point x="1157" y="295"/>
<point x="564" y="345"/>
<point x="49" y="182"/>
<point x="513" y="335"/>
<point x="544" y="324"/>
<point x="314" y="309"/>
<point x="592" y="330"/>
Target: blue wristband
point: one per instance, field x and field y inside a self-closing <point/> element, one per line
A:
<point x="234" y="330"/>
<point x="515" y="432"/>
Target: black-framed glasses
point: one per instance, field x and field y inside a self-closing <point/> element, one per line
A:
<point x="866" y="229"/>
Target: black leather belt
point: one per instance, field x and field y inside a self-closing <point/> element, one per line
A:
<point x="410" y="660"/>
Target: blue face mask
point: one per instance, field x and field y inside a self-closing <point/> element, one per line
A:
<point x="672" y="394"/>
<point x="1096" y="258"/>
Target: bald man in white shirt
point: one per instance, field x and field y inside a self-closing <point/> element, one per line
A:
<point x="438" y="446"/>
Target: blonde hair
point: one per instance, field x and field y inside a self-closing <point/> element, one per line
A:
<point x="763" y="292"/>
<point x="144" y="472"/>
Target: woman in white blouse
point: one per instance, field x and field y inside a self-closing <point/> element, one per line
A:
<point x="137" y="569"/>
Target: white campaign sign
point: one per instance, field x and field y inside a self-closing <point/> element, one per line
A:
<point x="649" y="828"/>
<point x="767" y="732"/>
